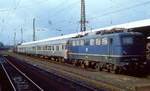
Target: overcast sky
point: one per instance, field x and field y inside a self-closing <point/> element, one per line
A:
<point x="55" y="15"/>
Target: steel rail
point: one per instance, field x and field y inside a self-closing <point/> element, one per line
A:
<point x="23" y="74"/>
<point x="8" y="78"/>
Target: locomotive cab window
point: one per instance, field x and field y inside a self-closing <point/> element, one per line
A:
<point x="104" y="41"/>
<point x="127" y="40"/>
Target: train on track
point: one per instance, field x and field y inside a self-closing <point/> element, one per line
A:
<point x="115" y="52"/>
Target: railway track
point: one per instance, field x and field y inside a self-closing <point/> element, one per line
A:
<point x="18" y="80"/>
<point x="55" y="82"/>
<point x="111" y="82"/>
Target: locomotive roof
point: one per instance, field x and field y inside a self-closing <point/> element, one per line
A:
<point x="111" y="35"/>
<point x="136" y="24"/>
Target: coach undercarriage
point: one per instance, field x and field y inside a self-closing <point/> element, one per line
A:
<point x="99" y="65"/>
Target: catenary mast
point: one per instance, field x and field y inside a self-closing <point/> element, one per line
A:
<point x="83" y="17"/>
<point x="33" y="29"/>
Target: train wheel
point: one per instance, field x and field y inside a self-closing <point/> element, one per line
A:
<point x="98" y="67"/>
<point x="62" y="60"/>
<point x="82" y="65"/>
<point x="74" y="62"/>
<point x="115" y="69"/>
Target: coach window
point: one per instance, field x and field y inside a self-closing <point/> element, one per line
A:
<point x="50" y="48"/>
<point x="43" y="47"/>
<point x="38" y="48"/>
<point x="62" y="47"/>
<point x="92" y="42"/>
<point x="104" y="41"/>
<point x="46" y="47"/>
<point x="57" y="48"/>
<point x="98" y="41"/>
<point x="65" y="46"/>
<point x="33" y="48"/>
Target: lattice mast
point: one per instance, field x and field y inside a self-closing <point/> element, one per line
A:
<point x="83" y="17"/>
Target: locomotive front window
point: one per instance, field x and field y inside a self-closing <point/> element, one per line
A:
<point x="127" y="40"/>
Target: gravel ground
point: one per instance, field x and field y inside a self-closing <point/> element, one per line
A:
<point x="102" y="79"/>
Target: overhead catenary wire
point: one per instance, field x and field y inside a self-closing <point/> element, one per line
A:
<point x="13" y="10"/>
<point x="63" y="9"/>
<point x="120" y="10"/>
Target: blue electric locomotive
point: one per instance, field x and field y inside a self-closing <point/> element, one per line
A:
<point x="113" y="52"/>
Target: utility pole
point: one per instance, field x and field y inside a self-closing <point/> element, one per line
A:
<point x="21" y="35"/>
<point x="83" y="17"/>
<point x="33" y="29"/>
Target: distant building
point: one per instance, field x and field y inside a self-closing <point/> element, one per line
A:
<point x="1" y="44"/>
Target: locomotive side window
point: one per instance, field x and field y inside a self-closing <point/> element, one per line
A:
<point x="77" y="42"/>
<point x="73" y="43"/>
<point x="127" y="40"/>
<point x="104" y="41"/>
<point x="98" y="42"/>
<point x="92" y="42"/>
<point x="81" y="42"/>
<point x="110" y="40"/>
